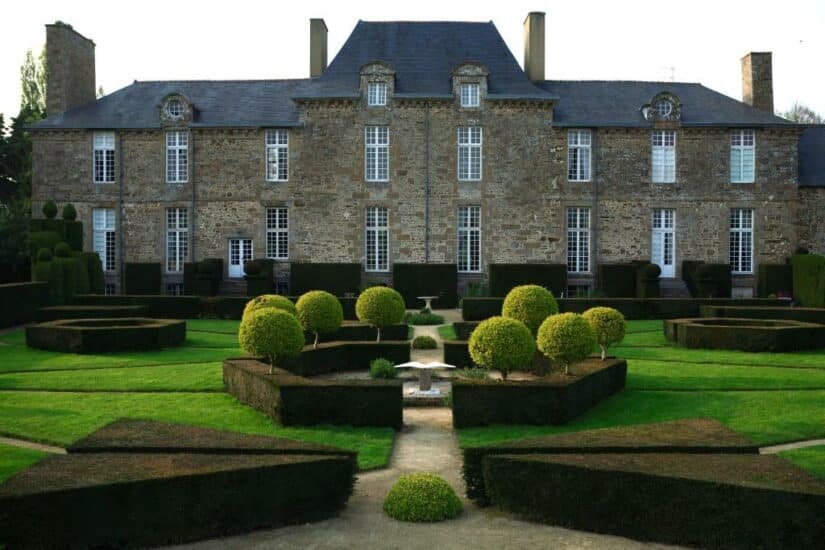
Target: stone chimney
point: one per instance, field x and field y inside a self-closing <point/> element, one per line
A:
<point x="70" y="68"/>
<point x="534" y="46"/>
<point x="317" y="47"/>
<point x="757" y="80"/>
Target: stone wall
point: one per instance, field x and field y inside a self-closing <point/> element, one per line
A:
<point x="811" y="219"/>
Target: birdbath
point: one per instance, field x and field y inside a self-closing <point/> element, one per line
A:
<point x="425" y="375"/>
<point x="428" y="301"/>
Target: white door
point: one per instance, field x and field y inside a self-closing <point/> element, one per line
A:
<point x="663" y="247"/>
<point x="240" y="252"/>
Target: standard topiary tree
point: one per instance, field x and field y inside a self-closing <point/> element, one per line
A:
<point x="380" y="306"/>
<point x="269" y="300"/>
<point x="44" y="255"/>
<point x="566" y="337"/>
<point x="69" y="212"/>
<point x="319" y="312"/>
<point x="530" y="304"/>
<point x="503" y="344"/>
<point x="608" y="324"/>
<point x="271" y="333"/>
<point x="62" y="250"/>
<point x="422" y="497"/>
<point x="49" y="209"/>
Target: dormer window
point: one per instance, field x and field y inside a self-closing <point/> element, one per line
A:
<point x="174" y="108"/>
<point x="376" y="94"/>
<point x="664" y="108"/>
<point x="469" y="95"/>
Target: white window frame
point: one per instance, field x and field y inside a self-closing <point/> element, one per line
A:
<point x="742" y="156"/>
<point x="277" y="233"/>
<point x="663" y="156"/>
<point x="741" y="241"/>
<point x="277" y="155"/>
<point x="377" y="239"/>
<point x="469" y="94"/>
<point x="578" y="239"/>
<point x="104" y="237"/>
<point x="377" y="153"/>
<point x="469" y="158"/>
<point x="177" y="156"/>
<point x="104" y="157"/>
<point x="469" y="234"/>
<point x="177" y="239"/>
<point x="377" y="93"/>
<point x="579" y="143"/>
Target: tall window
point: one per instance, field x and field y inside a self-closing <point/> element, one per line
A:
<point x="469" y="153"/>
<point x="104" y="243"/>
<point x="177" y="239"/>
<point x="469" y="239"/>
<point x="664" y="156"/>
<point x="742" y="156"/>
<point x="377" y="154"/>
<point x="104" y="157"/>
<point x="578" y="240"/>
<point x="277" y="233"/>
<point x="578" y="155"/>
<point x="741" y="240"/>
<point x="377" y="239"/>
<point x="376" y="93"/>
<point x="277" y="155"/>
<point x="177" y="157"/>
<point x="469" y="94"/>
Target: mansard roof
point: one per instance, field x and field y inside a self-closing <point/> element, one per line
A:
<point x="812" y="157"/>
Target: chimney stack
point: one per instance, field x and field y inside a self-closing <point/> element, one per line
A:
<point x="534" y="46"/>
<point x="757" y="80"/>
<point x="317" y="47"/>
<point x="70" y="68"/>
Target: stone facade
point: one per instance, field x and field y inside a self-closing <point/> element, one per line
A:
<point x="811" y="221"/>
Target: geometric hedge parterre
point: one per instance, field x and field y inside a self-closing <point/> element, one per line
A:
<point x="106" y="335"/>
<point x="754" y="335"/>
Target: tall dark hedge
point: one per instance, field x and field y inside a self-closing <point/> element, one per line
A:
<point x="503" y="277"/>
<point x="413" y="280"/>
<point x="774" y="279"/>
<point x="20" y="302"/>
<point x="142" y="278"/>
<point x="617" y="280"/>
<point x="809" y="280"/>
<point x="94" y="269"/>
<point x="337" y="279"/>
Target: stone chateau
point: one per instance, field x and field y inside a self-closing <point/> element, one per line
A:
<point x="427" y="142"/>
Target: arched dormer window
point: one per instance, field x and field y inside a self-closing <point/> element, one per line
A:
<point x="175" y="109"/>
<point x="470" y="84"/>
<point x="664" y="106"/>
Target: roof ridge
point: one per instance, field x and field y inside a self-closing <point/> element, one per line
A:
<point x="425" y="21"/>
<point x="625" y="81"/>
<point x="220" y="81"/>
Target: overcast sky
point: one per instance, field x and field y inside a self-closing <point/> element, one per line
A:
<point x="694" y="41"/>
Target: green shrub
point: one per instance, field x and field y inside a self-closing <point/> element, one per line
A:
<point x="269" y="301"/>
<point x="44" y="255"/>
<point x="380" y="306"/>
<point x="81" y="274"/>
<point x="337" y="279"/>
<point x="69" y="212"/>
<point x="421" y="319"/>
<point x="62" y="250"/>
<point x="142" y="278"/>
<point x="271" y="333"/>
<point x="382" y="368"/>
<point x="424" y="342"/>
<point x="42" y="239"/>
<point x="49" y="210"/>
<point x="530" y="304"/>
<point x="414" y="280"/>
<point x="503" y="344"/>
<point x="809" y="280"/>
<point x="566" y="337"/>
<point x="422" y="497"/>
<point x="319" y="312"/>
<point x="94" y="269"/>
<point x="474" y="373"/>
<point x="608" y="324"/>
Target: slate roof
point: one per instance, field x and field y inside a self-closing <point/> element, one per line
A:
<point x="812" y="157"/>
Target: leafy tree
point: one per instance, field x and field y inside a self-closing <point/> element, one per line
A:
<point x="800" y="112"/>
<point x="33" y="82"/>
<point x="503" y="344"/>
<point x="380" y="306"/>
<point x="567" y="338"/>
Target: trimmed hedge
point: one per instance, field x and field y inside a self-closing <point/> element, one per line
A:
<point x="804" y="314"/>
<point x="208" y="276"/>
<point x="503" y="277"/>
<point x="106" y="335"/>
<point x="56" y="313"/>
<point x="705" y="280"/>
<point x="463" y="329"/>
<point x="70" y="231"/>
<point x="17" y="270"/>
<point x="259" y="276"/>
<point x="617" y="280"/>
<point x="19" y="302"/>
<point x="337" y="279"/>
<point x="94" y="270"/>
<point x="414" y="280"/>
<point x="346" y="356"/>
<point x="809" y="280"/>
<point x="753" y="335"/>
<point x="457" y="353"/>
<point x="190" y="272"/>
<point x="774" y="279"/>
<point x="422" y="497"/>
<point x="142" y="278"/>
<point x="160" y="306"/>
<point x="361" y="332"/>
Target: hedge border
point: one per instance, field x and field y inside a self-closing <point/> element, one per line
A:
<point x="803" y="314"/>
<point x="776" y="335"/>
<point x="106" y="335"/>
<point x="503" y="277"/>
<point x="56" y="313"/>
<point x="414" y="280"/>
<point x="20" y="302"/>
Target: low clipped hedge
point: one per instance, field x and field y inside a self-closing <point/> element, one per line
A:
<point x="809" y="280"/>
<point x="463" y="329"/>
<point x="504" y="277"/>
<point x="774" y="279"/>
<point x="754" y="335"/>
<point x="706" y="280"/>
<point x="346" y="356"/>
<point x="457" y="353"/>
<point x="55" y="313"/>
<point x="21" y="301"/>
<point x="142" y="278"/>
<point x="617" y="280"/>
<point x="339" y="279"/>
<point x="106" y="335"/>
<point x="414" y="280"/>
<point x="160" y="306"/>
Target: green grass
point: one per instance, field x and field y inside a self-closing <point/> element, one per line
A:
<point x="810" y="458"/>
<point x="447" y="332"/>
<point x="659" y="375"/>
<point x="14" y="459"/>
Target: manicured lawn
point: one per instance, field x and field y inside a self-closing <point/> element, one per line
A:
<point x="447" y="332"/>
<point x="660" y="375"/>
<point x="14" y="459"/>
<point x="810" y="458"/>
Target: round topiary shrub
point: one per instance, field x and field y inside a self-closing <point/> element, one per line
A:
<point x="62" y="250"/>
<point x="380" y="306"/>
<point x="530" y="304"/>
<point x="271" y="333"/>
<point x="44" y="255"/>
<point x="319" y="312"/>
<point x="652" y="271"/>
<point x="502" y="344"/>
<point x="566" y="337"/>
<point x="424" y="342"/>
<point x="608" y="324"/>
<point x="269" y="301"/>
<point x="49" y="209"/>
<point x="69" y="213"/>
<point x="382" y="368"/>
<point x="422" y="497"/>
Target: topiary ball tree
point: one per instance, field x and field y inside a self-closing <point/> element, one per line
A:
<point x="567" y="338"/>
<point x="530" y="304"/>
<point x="608" y="324"/>
<point x="271" y="333"/>
<point x="319" y="312"/>
<point x="44" y="255"/>
<point x="69" y="212"/>
<point x="49" y="209"/>
<point x="62" y="250"/>
<point x="380" y="306"/>
<point x="503" y="344"/>
<point x="269" y="300"/>
<point x="422" y="497"/>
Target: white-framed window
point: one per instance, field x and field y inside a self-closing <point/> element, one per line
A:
<point x="104" y="243"/>
<point x="469" y="239"/>
<point x="578" y="240"/>
<point x="376" y="94"/>
<point x="469" y="153"/>
<point x="742" y="156"/>
<point x="277" y="233"/>
<point x="104" y="157"/>
<point x="663" y="156"/>
<point x="177" y="239"/>
<point x="177" y="156"/>
<point x="277" y="155"/>
<point x="469" y="94"/>
<point x="741" y="241"/>
<point x="578" y="155"/>
<point x="377" y="153"/>
<point x="377" y="239"/>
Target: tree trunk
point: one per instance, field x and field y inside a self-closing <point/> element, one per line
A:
<point x="316" y="341"/>
<point x="272" y="365"/>
<point x="378" y="330"/>
<point x="503" y="375"/>
<point x="567" y="368"/>
<point x="604" y="351"/>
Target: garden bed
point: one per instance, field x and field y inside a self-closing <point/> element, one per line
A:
<point x="106" y="335"/>
<point x="56" y="313"/>
<point x="331" y="357"/>
<point x="754" y="335"/>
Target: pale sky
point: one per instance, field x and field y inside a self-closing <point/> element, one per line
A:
<point x="693" y="41"/>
